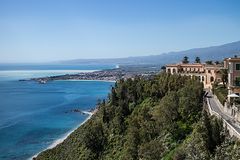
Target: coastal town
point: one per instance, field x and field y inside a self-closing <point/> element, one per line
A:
<point x="123" y="72"/>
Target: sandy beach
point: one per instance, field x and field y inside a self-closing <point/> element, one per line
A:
<point x="60" y="140"/>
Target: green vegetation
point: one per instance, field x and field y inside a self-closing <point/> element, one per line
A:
<point x="149" y="119"/>
<point x="224" y="76"/>
<point x="185" y="60"/>
<point x="209" y="62"/>
<point x="217" y="62"/>
<point x="221" y="92"/>
<point x="197" y="60"/>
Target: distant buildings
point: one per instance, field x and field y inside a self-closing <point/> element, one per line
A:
<point x="206" y="73"/>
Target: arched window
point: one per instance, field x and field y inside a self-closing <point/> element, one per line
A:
<point x="174" y="70"/>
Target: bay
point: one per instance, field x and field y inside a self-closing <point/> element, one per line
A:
<point x="33" y="116"/>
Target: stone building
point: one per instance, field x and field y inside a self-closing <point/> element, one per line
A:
<point x="233" y="66"/>
<point x="232" y="106"/>
<point x="206" y="73"/>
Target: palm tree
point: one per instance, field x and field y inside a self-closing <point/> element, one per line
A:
<point x="224" y="76"/>
<point x="163" y="67"/>
<point x="185" y="60"/>
<point x="197" y="60"/>
<point x="217" y="62"/>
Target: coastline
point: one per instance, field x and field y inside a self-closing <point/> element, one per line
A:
<point x="18" y="75"/>
<point x="65" y="136"/>
<point x="114" y="81"/>
<point x="108" y="75"/>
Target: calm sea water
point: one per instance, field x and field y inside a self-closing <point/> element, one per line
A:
<point x="33" y="116"/>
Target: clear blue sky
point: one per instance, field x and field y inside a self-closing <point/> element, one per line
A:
<point x="49" y="30"/>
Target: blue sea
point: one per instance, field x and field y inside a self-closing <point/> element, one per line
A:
<point x="33" y="116"/>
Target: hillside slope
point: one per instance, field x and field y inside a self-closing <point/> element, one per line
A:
<point x="161" y="118"/>
<point x="209" y="53"/>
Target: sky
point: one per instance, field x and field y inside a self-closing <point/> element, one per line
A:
<point x="51" y="30"/>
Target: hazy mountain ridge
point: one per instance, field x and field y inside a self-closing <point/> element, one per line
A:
<point x="207" y="53"/>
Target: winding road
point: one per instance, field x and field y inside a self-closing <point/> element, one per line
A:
<point x="217" y="109"/>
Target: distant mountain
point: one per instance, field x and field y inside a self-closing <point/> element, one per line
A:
<point x="209" y="53"/>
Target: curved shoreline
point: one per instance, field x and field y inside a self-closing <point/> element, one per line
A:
<point x="65" y="136"/>
<point x="113" y="81"/>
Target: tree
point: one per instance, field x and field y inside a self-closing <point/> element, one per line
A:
<point x="132" y="141"/>
<point x="94" y="138"/>
<point x="185" y="60"/>
<point x="166" y="113"/>
<point x="151" y="150"/>
<point x="163" y="67"/>
<point x="197" y="60"/>
<point x="196" y="146"/>
<point x="189" y="103"/>
<point x="216" y="136"/>
<point x="113" y="97"/>
<point x="209" y="62"/>
<point x="224" y="76"/>
<point x="217" y="62"/>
